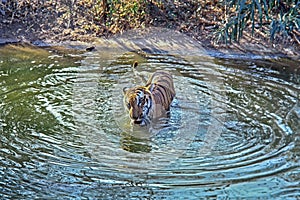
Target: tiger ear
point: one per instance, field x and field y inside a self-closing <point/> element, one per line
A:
<point x="135" y="64"/>
<point x="150" y="87"/>
<point x="125" y="89"/>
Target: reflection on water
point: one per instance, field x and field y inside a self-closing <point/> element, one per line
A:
<point x="233" y="129"/>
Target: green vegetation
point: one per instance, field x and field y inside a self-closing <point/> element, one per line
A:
<point x="220" y="20"/>
<point x="280" y="18"/>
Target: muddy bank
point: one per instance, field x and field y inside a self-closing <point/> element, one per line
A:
<point x="151" y="38"/>
<point x="49" y="23"/>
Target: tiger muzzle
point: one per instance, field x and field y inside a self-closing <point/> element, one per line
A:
<point x="136" y="118"/>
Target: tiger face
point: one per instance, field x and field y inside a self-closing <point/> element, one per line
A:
<point x="137" y="102"/>
<point x="152" y="100"/>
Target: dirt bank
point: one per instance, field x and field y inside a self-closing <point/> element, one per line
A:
<point x="48" y="26"/>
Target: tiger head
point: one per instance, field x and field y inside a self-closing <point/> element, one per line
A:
<point x="137" y="101"/>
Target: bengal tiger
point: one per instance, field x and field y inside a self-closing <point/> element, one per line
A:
<point x="152" y="100"/>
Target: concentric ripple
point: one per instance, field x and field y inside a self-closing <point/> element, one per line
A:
<point x="233" y="130"/>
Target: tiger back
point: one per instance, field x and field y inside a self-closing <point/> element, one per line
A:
<point x="162" y="91"/>
<point x="152" y="100"/>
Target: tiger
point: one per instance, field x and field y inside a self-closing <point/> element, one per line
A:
<point x="151" y="101"/>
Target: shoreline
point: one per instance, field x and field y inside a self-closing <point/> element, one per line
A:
<point x="60" y="23"/>
<point x="248" y="48"/>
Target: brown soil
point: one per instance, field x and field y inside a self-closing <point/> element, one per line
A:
<point x="47" y="27"/>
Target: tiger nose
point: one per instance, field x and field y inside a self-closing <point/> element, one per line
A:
<point x="133" y="116"/>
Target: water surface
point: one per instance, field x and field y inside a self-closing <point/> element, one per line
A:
<point x="233" y="129"/>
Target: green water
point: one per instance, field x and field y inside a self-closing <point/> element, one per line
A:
<point x="233" y="130"/>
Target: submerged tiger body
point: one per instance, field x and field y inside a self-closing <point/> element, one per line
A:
<point x="152" y="100"/>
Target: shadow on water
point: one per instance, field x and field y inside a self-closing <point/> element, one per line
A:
<point x="233" y="129"/>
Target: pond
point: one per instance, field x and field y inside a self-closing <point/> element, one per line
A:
<point x="233" y="130"/>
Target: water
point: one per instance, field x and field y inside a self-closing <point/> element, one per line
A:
<point x="234" y="128"/>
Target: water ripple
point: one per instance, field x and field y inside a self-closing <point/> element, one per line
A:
<point x="233" y="129"/>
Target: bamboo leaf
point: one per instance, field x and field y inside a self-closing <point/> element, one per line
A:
<point x="273" y="29"/>
<point x="258" y="5"/>
<point x="266" y="9"/>
<point x="252" y="18"/>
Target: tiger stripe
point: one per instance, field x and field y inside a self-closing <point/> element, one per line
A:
<point x="153" y="99"/>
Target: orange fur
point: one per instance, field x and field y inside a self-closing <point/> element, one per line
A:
<point x="153" y="99"/>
